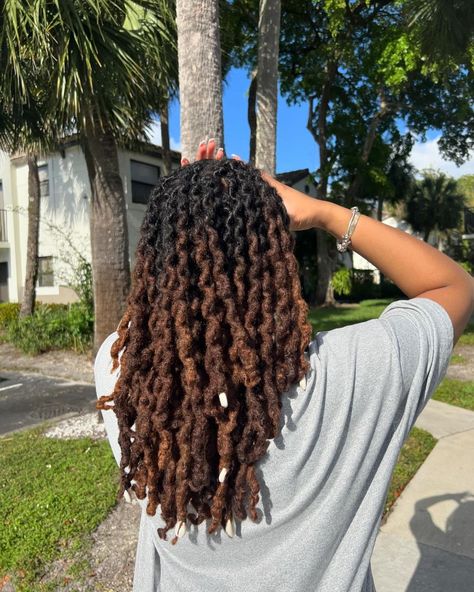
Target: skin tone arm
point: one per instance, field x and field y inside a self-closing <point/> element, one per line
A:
<point x="418" y="269"/>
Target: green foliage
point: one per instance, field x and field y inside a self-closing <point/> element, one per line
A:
<point x="342" y="282"/>
<point x="9" y="312"/>
<point x="82" y="284"/>
<point x="460" y="250"/>
<point x="465" y="185"/>
<point x="53" y="495"/>
<point x="456" y="392"/>
<point x="434" y="204"/>
<point x="413" y="454"/>
<point x="52" y="327"/>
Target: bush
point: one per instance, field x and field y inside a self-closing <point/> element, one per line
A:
<point x="342" y="282"/>
<point x="8" y="314"/>
<point x="53" y="326"/>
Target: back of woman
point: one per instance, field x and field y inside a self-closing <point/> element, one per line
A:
<point x="262" y="456"/>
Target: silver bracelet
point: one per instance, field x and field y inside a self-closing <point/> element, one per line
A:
<point x="345" y="241"/>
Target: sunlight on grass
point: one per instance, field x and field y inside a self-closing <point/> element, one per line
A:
<point x="53" y="493"/>
<point x="413" y="454"/>
<point x="456" y="392"/>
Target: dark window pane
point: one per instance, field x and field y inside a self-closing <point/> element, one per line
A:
<point x="141" y="192"/>
<point x="144" y="177"/>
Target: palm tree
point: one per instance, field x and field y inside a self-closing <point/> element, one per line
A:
<point x="267" y="84"/>
<point x="445" y="29"/>
<point x="434" y="204"/>
<point x="200" y="77"/>
<point x="106" y="61"/>
<point x="26" y="127"/>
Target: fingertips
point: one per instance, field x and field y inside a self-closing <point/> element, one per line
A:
<point x="220" y="154"/>
<point x="211" y="146"/>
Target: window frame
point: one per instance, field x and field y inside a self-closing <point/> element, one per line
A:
<point x="143" y="184"/>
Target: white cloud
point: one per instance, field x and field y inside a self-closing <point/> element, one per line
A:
<point x="154" y="136"/>
<point x="426" y="155"/>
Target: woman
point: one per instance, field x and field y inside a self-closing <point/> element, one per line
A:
<point x="214" y="394"/>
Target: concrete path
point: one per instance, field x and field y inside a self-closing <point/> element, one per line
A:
<point x="30" y="399"/>
<point x="427" y="543"/>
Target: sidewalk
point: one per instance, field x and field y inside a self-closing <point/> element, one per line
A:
<point x="427" y="543"/>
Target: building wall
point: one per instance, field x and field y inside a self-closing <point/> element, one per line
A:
<point x="64" y="227"/>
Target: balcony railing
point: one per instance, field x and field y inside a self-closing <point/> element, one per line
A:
<point x="3" y="226"/>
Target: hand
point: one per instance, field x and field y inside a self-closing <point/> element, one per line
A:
<point x="206" y="151"/>
<point x="301" y="208"/>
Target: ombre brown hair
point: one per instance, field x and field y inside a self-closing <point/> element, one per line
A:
<point x="215" y="307"/>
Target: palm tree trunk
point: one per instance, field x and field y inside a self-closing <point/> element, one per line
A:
<point x="165" y="140"/>
<point x="109" y="233"/>
<point x="267" y="84"/>
<point x="32" y="244"/>
<point x="200" y="76"/>
<point x="252" y="116"/>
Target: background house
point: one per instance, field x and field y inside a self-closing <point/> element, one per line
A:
<point x="65" y="203"/>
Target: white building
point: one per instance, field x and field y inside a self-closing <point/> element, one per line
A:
<point x="65" y="202"/>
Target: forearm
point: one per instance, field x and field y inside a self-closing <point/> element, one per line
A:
<point x="414" y="266"/>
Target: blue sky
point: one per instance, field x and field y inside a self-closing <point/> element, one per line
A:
<point x="296" y="148"/>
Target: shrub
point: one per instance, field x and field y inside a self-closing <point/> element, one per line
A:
<point x="53" y="326"/>
<point x="8" y="313"/>
<point x="342" y="282"/>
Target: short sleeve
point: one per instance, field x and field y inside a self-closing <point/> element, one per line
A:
<point x="105" y="381"/>
<point x="421" y="333"/>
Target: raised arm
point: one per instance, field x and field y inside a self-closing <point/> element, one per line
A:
<point x="418" y="269"/>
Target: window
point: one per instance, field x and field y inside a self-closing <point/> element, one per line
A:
<point x="144" y="178"/>
<point x="44" y="180"/>
<point x="45" y="272"/>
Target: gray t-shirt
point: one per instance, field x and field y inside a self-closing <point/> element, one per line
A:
<point x="325" y="478"/>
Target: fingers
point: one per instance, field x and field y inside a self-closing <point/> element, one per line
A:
<point x="236" y="157"/>
<point x="211" y="146"/>
<point x="220" y="154"/>
<point x="201" y="151"/>
<point x="184" y="162"/>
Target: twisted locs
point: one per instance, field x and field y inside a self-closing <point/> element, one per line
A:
<point x="215" y="307"/>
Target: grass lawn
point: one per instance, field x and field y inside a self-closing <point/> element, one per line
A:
<point x="53" y="494"/>
<point x="413" y="454"/>
<point x="456" y="392"/>
<point x="325" y="319"/>
<point x="457" y="360"/>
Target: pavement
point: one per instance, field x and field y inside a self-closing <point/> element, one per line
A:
<point x="427" y="543"/>
<point x="28" y="399"/>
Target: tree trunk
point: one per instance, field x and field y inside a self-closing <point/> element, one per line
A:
<point x="109" y="233"/>
<point x="267" y="84"/>
<point x="252" y="116"/>
<point x="32" y="244"/>
<point x="200" y="76"/>
<point x="165" y="140"/>
<point x="326" y="267"/>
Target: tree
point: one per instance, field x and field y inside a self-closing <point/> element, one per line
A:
<point x="445" y="29"/>
<point x="100" y="60"/>
<point x="434" y="204"/>
<point x="465" y="185"/>
<point x="26" y="126"/>
<point x="267" y="84"/>
<point x="200" y="74"/>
